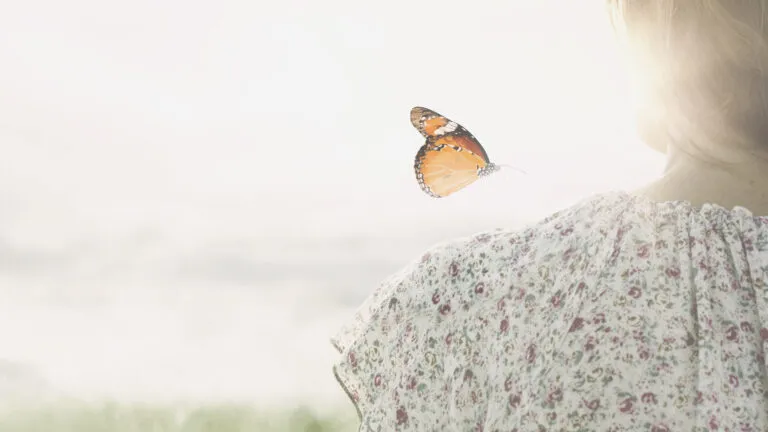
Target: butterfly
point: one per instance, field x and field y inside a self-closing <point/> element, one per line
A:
<point x="451" y="159"/>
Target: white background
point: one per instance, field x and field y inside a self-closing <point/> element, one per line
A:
<point x="194" y="195"/>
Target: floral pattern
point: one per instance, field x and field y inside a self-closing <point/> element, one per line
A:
<point x="616" y="314"/>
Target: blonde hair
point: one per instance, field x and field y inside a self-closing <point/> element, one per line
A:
<point x="701" y="68"/>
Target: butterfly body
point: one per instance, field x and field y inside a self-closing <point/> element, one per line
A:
<point x="451" y="159"/>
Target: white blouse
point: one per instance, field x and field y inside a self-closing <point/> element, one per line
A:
<point x="616" y="314"/>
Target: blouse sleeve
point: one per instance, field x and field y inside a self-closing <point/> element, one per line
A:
<point x="389" y="345"/>
<point x="363" y="340"/>
<point x="455" y="327"/>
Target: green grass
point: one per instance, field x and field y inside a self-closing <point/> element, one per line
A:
<point x="111" y="417"/>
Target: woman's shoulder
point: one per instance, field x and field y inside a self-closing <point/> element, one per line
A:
<point x="465" y="318"/>
<point x="452" y="275"/>
<point x="460" y="281"/>
<point x="593" y="240"/>
<point x="615" y="220"/>
<point x="576" y="229"/>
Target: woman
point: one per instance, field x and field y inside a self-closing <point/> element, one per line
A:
<point x="628" y="311"/>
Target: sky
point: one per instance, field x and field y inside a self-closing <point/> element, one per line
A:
<point x="195" y="195"/>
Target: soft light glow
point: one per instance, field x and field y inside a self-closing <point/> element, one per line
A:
<point x="194" y="195"/>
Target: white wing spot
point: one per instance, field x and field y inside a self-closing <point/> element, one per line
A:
<point x="448" y="128"/>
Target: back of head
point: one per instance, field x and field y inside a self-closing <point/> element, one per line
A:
<point x="700" y="68"/>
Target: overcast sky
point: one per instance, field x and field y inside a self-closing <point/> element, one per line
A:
<point x="193" y="194"/>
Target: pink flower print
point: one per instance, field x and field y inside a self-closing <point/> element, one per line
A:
<point x="734" y="380"/>
<point x="590" y="345"/>
<point x="635" y="292"/>
<point x="530" y="353"/>
<point x="673" y="272"/>
<point x="521" y="294"/>
<point x="626" y="405"/>
<point x="568" y="253"/>
<point x="402" y="416"/>
<point x="445" y="309"/>
<point x="644" y="354"/>
<point x="453" y="269"/>
<point x="436" y="298"/>
<point x="703" y="265"/>
<point x="479" y="288"/>
<point x="648" y="398"/>
<point x="411" y="384"/>
<point x="732" y="333"/>
<point x="377" y="380"/>
<point x="504" y="326"/>
<point x="555" y="395"/>
<point x="713" y="423"/>
<point x="514" y="400"/>
<point x="593" y="404"/>
<point x="508" y="384"/>
<point x="577" y="324"/>
<point x="643" y="251"/>
<point x="556" y="301"/>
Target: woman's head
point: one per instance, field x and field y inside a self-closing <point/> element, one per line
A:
<point x="700" y="70"/>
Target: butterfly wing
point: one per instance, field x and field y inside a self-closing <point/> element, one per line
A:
<point x="443" y="169"/>
<point x="451" y="159"/>
<point x="434" y="125"/>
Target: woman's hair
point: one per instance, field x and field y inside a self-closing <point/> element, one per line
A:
<point x="701" y="68"/>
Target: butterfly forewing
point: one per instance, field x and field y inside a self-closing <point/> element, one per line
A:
<point x="432" y="124"/>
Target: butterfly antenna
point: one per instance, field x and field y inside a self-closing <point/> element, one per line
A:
<point x="514" y="168"/>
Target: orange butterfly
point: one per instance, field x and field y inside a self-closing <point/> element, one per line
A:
<point x="451" y="159"/>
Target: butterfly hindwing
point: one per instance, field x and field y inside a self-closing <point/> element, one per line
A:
<point x="444" y="169"/>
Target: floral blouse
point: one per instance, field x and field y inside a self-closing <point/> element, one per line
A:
<point x="616" y="314"/>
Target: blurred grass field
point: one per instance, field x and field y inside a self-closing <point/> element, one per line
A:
<point x="115" y="417"/>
